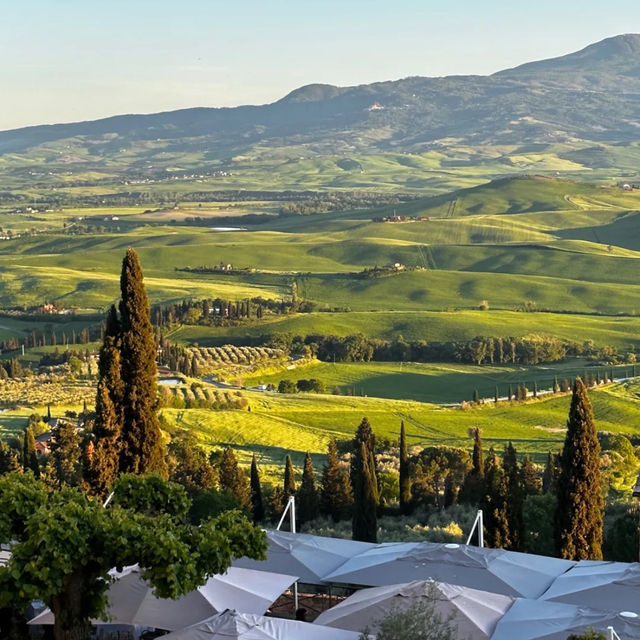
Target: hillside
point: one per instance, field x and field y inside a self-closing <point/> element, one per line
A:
<point x="571" y="114"/>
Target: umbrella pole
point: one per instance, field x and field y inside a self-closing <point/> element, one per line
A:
<point x="291" y="506"/>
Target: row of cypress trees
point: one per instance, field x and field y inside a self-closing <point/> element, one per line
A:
<point x="500" y="488"/>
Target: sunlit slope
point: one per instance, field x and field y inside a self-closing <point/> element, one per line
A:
<point x="622" y="332"/>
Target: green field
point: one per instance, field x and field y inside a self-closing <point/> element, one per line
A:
<point x="432" y="382"/>
<point x="279" y="424"/>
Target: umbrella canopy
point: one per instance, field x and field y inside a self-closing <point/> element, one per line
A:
<point x="131" y="599"/>
<point x="495" y="570"/>
<point x="613" y="586"/>
<point x="476" y="613"/>
<point x="307" y="556"/>
<point x="543" y="620"/>
<point x="230" y="625"/>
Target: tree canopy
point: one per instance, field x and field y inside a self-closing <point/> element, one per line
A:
<point x="64" y="543"/>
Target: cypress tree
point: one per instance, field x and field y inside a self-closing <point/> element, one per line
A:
<point x="476" y="397"/>
<point x="233" y="479"/>
<point x="102" y="469"/>
<point x="365" y="497"/>
<point x="531" y="482"/>
<point x="336" y="494"/>
<point x="143" y="449"/>
<point x="473" y="485"/>
<point x="550" y="474"/>
<point x="29" y="455"/>
<point x="256" y="492"/>
<point x="496" y="395"/>
<point x="514" y="499"/>
<point x="510" y="392"/>
<point x="405" y="480"/>
<point x="556" y="386"/>
<point x="580" y="501"/>
<point x="289" y="485"/>
<point x="307" y="493"/>
<point x="494" y="506"/>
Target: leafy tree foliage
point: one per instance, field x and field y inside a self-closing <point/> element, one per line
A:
<point x="232" y="478"/>
<point x="621" y="533"/>
<point x="438" y="473"/>
<point x="551" y="474"/>
<point x="531" y="480"/>
<point x="421" y="621"/>
<point x="307" y="502"/>
<point x="64" y="543"/>
<point x="29" y="455"/>
<point x="189" y="465"/>
<point x="514" y="499"/>
<point x="65" y="465"/>
<point x="496" y="522"/>
<point x="336" y="493"/>
<point x="580" y="500"/>
<point x="538" y="513"/>
<point x="9" y="462"/>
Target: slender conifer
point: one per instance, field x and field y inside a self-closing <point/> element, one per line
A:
<point x="580" y="501"/>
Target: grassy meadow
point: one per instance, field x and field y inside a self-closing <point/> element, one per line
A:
<point x="280" y="424"/>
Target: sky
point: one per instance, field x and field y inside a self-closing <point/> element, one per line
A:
<point x="70" y="60"/>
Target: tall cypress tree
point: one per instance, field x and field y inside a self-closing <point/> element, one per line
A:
<point x="580" y="501"/>
<point x="551" y="474"/>
<point x="405" y="480"/>
<point x="256" y="492"/>
<point x="143" y="449"/>
<point x="102" y="468"/>
<point x="514" y="499"/>
<point x="29" y="455"/>
<point x="307" y="493"/>
<point x="289" y="484"/>
<point x="494" y="505"/>
<point x="365" y="497"/>
<point x="473" y="487"/>
<point x="336" y="494"/>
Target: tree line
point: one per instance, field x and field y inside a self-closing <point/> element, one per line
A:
<point x="529" y="350"/>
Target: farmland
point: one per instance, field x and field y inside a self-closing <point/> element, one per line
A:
<point x="511" y="258"/>
<point x="278" y="424"/>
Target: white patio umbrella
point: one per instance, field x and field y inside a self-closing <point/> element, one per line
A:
<point x="543" y="620"/>
<point x="476" y="613"/>
<point x="131" y="599"/>
<point x="304" y="555"/>
<point x="612" y="586"/>
<point x="495" y="570"/>
<point x="231" y="625"/>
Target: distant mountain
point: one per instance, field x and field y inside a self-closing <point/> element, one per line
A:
<point x="591" y="95"/>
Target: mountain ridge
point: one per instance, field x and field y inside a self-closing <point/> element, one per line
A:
<point x="592" y="95"/>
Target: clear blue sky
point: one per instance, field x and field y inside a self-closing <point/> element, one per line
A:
<point x="67" y="60"/>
